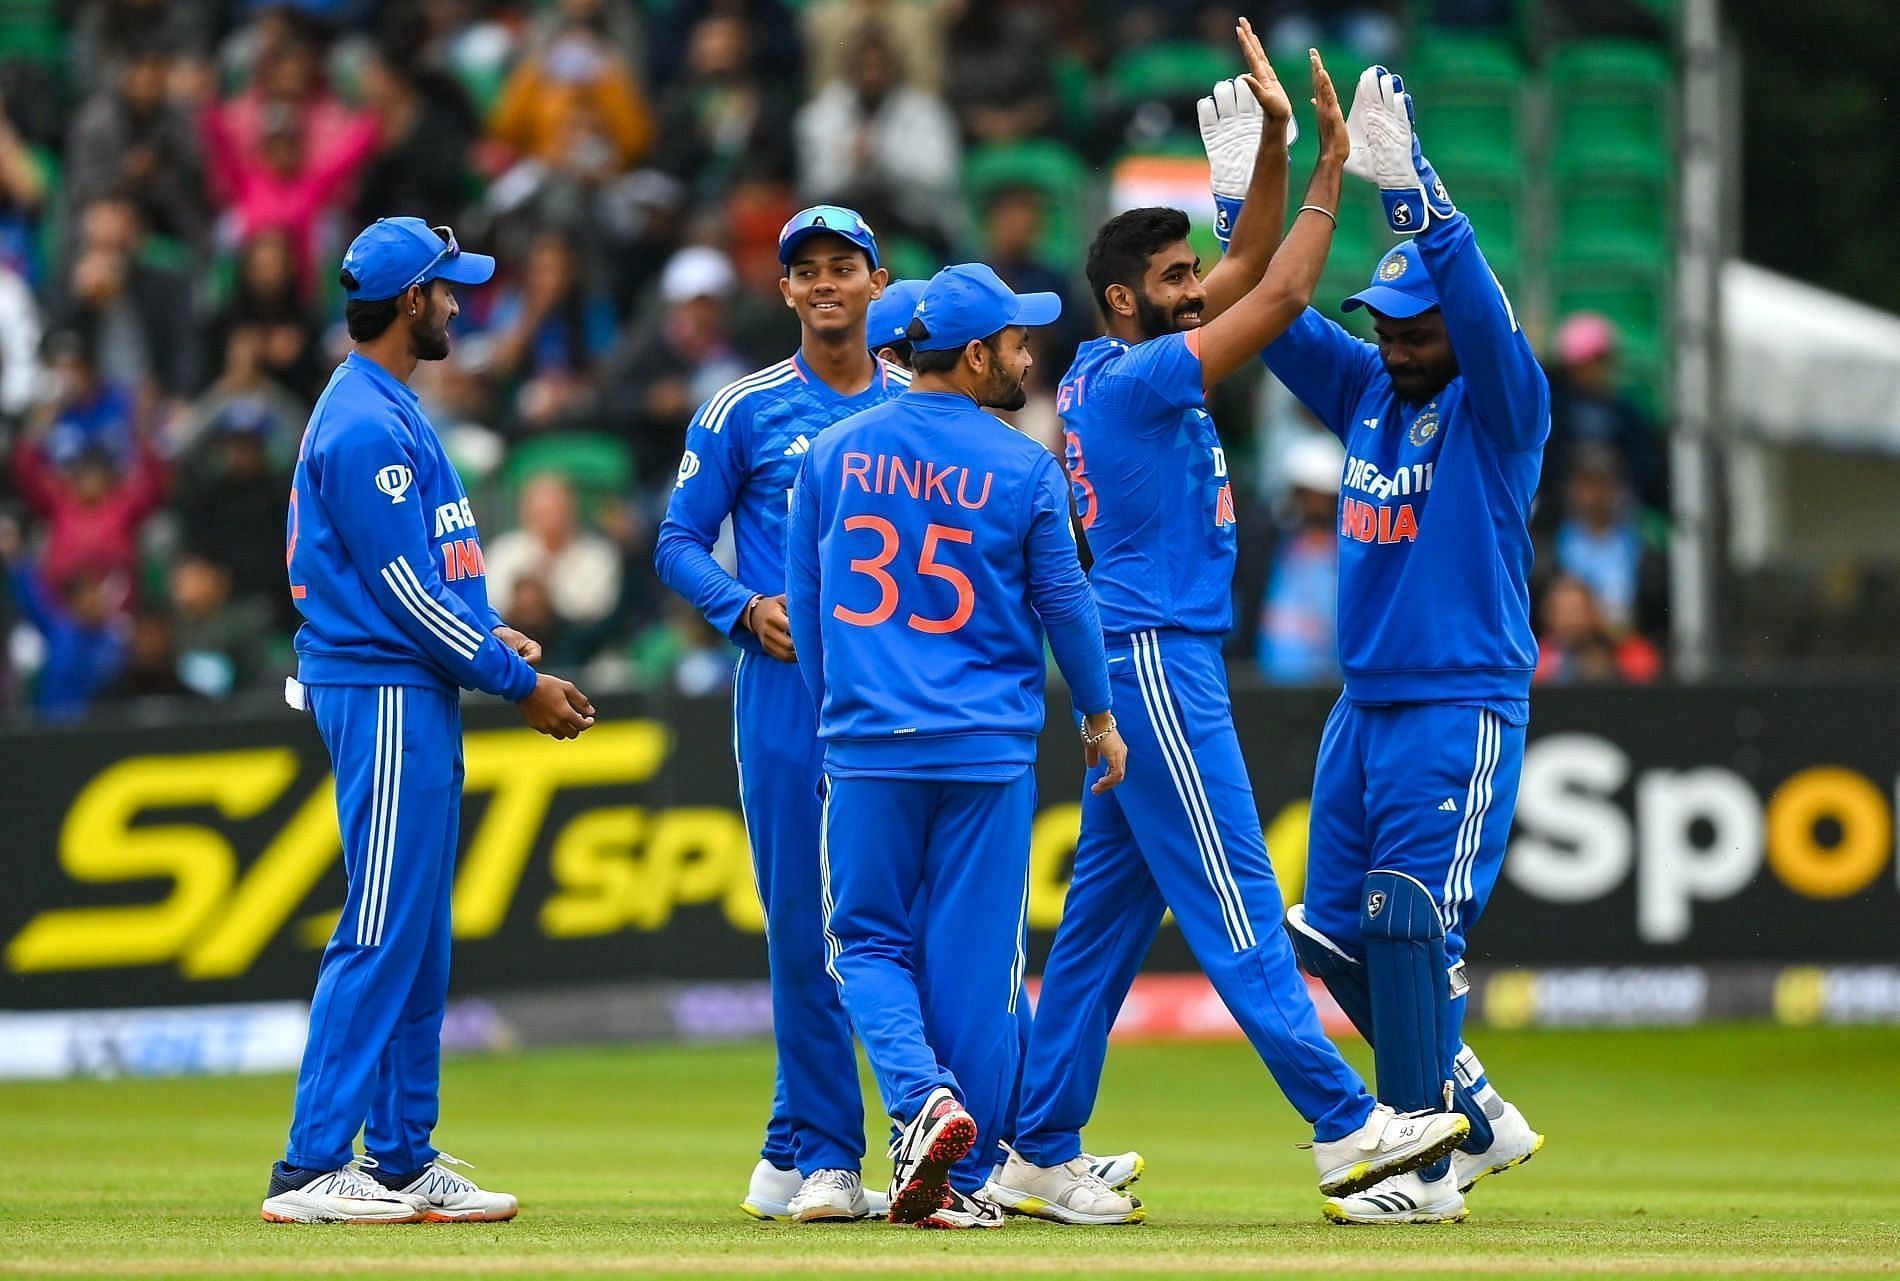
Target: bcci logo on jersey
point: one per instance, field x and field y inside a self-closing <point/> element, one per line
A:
<point x="689" y="468"/>
<point x="1424" y="427"/>
<point x="395" y="480"/>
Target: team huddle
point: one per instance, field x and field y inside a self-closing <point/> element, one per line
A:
<point x="903" y="557"/>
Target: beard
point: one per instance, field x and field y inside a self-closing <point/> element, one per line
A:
<point x="1005" y="393"/>
<point x="1156" y="321"/>
<point x="431" y="340"/>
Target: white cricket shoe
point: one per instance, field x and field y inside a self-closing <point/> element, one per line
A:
<point x="1120" y="1171"/>
<point x="769" y="1195"/>
<point x="963" y="1211"/>
<point x="1404" y="1198"/>
<point x="1388" y="1143"/>
<point x="1513" y="1142"/>
<point x="1071" y="1193"/>
<point x="830" y="1196"/>
<point x="345" y="1195"/>
<point x="941" y="1134"/>
<point x="448" y="1197"/>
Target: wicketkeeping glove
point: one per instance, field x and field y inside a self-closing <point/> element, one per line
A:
<point x="1385" y="152"/>
<point x="1231" y="121"/>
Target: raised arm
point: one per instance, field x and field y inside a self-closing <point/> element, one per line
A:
<point x="1246" y="126"/>
<point x="1264" y="312"/>
<point x="1502" y="377"/>
<point x="1507" y="386"/>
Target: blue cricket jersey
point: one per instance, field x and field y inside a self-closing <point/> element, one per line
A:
<point x="385" y="561"/>
<point x="1150" y="483"/>
<point x="1434" y="553"/>
<point x="743" y="451"/>
<point x="930" y="548"/>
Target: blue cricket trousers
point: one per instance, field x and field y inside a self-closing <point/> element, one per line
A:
<point x="817" y="1110"/>
<point x="373" y="1061"/>
<point x="927" y="888"/>
<point x="1427" y="789"/>
<point x="1181" y="832"/>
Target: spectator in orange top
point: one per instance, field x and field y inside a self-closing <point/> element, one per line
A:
<point x="576" y="92"/>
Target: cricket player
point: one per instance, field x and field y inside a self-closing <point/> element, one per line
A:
<point x="888" y="319"/>
<point x="1444" y="422"/>
<point x="886" y="328"/>
<point x="743" y="450"/>
<point x="1150" y="484"/>
<point x="930" y="551"/>
<point x="385" y="564"/>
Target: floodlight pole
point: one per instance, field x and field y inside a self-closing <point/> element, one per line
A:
<point x="1701" y="248"/>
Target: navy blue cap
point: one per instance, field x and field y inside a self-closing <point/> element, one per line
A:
<point x="835" y="219"/>
<point x="392" y="254"/>
<point x="890" y="314"/>
<point x="969" y="301"/>
<point x="1401" y="287"/>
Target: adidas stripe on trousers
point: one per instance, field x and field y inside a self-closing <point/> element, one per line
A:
<point x="1180" y="833"/>
<point x="373" y="1061"/>
<point x="1427" y="789"/>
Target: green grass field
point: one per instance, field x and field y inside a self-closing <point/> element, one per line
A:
<point x="1719" y="1152"/>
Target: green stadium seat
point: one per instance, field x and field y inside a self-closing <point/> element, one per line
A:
<point x="1496" y="211"/>
<point x="1617" y="213"/>
<point x="1610" y="97"/>
<point x="1063" y="178"/>
<point x="1453" y="65"/>
<point x="29" y="32"/>
<point x="595" y="464"/>
<point x="1169" y="69"/>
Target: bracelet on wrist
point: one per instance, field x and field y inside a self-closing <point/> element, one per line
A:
<point x="1318" y="209"/>
<point x="1092" y="740"/>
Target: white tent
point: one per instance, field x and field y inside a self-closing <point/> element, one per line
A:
<point x="1806" y="366"/>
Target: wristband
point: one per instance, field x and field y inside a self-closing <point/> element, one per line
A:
<point x="1226" y="214"/>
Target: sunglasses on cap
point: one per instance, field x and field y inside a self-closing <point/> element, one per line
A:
<point x="451" y="248"/>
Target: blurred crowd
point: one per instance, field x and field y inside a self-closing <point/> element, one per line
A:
<point x="178" y="179"/>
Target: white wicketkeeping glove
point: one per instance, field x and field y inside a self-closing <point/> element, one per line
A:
<point x="1386" y="152"/>
<point x="1231" y="121"/>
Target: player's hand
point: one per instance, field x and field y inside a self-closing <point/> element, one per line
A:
<point x="1262" y="80"/>
<point x="1335" y="141"/>
<point x="1386" y="152"/>
<point x="1108" y="746"/>
<point x="527" y="647"/>
<point x="768" y="621"/>
<point x="557" y="708"/>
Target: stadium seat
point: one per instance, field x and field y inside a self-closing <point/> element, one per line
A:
<point x="1610" y="97"/>
<point x="1610" y="210"/>
<point x="595" y="464"/>
<point x="1496" y="211"/>
<point x="1048" y="167"/>
<point x="1169" y="70"/>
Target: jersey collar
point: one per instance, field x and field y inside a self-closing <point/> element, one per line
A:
<point x="382" y="378"/>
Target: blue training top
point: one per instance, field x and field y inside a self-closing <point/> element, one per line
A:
<point x="1434" y="553"/>
<point x="743" y="450"/>
<point x="385" y="561"/>
<point x="1150" y="483"/>
<point x="929" y="549"/>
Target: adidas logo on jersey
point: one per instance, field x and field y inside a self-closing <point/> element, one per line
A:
<point x="1448" y="805"/>
<point x="798" y="446"/>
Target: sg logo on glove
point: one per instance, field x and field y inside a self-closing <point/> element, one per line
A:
<point x="1401" y="214"/>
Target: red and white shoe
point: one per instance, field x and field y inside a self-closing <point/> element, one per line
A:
<point x="940" y="1135"/>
